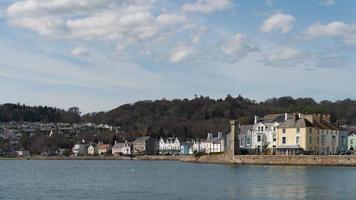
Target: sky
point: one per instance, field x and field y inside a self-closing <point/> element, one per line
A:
<point x="99" y="54"/>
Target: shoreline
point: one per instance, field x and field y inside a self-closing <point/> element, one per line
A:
<point x="299" y="160"/>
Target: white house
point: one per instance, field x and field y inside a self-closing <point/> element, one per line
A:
<point x="213" y="144"/>
<point x="169" y="146"/>
<point x="264" y="135"/>
<point x="91" y="150"/>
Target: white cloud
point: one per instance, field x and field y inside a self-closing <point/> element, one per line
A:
<point x="333" y="29"/>
<point x="286" y="55"/>
<point x="328" y="2"/>
<point x="180" y="53"/>
<point x="278" y="22"/>
<point x="207" y="6"/>
<point x="80" y="51"/>
<point x="238" y="46"/>
<point x="347" y="32"/>
<point x="125" y="22"/>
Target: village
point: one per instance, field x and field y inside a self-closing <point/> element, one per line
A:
<point x="273" y="134"/>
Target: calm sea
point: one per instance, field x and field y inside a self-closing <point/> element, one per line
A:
<point x="153" y="180"/>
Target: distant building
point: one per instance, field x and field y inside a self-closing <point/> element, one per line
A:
<point x="145" y="146"/>
<point x="343" y="140"/>
<point x="245" y="137"/>
<point x="351" y="141"/>
<point x="92" y="150"/>
<point x="80" y="149"/>
<point x="186" y="148"/>
<point x="171" y="146"/>
<point x="22" y="153"/>
<point x="213" y="144"/>
<point x="122" y="148"/>
<point x="104" y="149"/>
<point x="292" y="136"/>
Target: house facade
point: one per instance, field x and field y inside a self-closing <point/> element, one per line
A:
<point x="145" y="145"/>
<point x="171" y="146"/>
<point x="245" y="137"/>
<point x="308" y="134"/>
<point x="80" y="149"/>
<point x="328" y="134"/>
<point x="351" y="141"/>
<point x="92" y="150"/>
<point x="122" y="148"/>
<point x="295" y="135"/>
<point x="104" y="149"/>
<point x="213" y="144"/>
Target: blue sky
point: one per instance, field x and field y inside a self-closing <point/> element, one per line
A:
<point x="99" y="54"/>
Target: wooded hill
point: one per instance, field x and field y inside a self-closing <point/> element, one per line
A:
<point x="189" y="118"/>
<point x="194" y="118"/>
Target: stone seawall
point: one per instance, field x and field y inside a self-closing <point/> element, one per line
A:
<point x="317" y="160"/>
<point x="321" y="160"/>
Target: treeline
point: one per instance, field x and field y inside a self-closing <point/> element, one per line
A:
<point x="188" y="118"/>
<point x="194" y="118"/>
<point x="20" y="113"/>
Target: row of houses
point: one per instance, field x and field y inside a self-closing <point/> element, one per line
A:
<point x="295" y="133"/>
<point x="150" y="146"/>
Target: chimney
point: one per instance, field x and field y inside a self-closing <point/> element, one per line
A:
<point x="285" y="116"/>
<point x="326" y="118"/>
<point x="256" y="119"/>
<point x="210" y="135"/>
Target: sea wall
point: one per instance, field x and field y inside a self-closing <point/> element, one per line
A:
<point x="325" y="160"/>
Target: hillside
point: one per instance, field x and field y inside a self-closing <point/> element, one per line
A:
<point x="196" y="117"/>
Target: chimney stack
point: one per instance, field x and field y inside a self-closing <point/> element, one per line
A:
<point x="256" y="119"/>
<point x="285" y="116"/>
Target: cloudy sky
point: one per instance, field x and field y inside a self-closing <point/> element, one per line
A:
<point x="98" y="54"/>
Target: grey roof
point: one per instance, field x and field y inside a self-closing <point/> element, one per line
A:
<point x="296" y="123"/>
<point x="245" y="128"/>
<point x="142" y="139"/>
<point x="271" y="118"/>
<point x="118" y="145"/>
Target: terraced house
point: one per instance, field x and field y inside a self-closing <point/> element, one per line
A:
<point x="296" y="135"/>
<point x="308" y="134"/>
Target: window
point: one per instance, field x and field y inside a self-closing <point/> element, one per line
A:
<point x="298" y="130"/>
<point x="274" y="138"/>
<point x="284" y="140"/>
<point x="310" y="130"/>
<point x="241" y="142"/>
<point x="297" y="140"/>
<point x="262" y="128"/>
<point x="322" y="139"/>
<point x="317" y="140"/>
<point x="258" y="138"/>
<point x="343" y="140"/>
<point x="310" y="140"/>
<point x="284" y="130"/>
<point x="273" y="128"/>
<point x="248" y="141"/>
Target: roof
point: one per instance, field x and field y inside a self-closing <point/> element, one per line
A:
<point x="142" y="139"/>
<point x="104" y="146"/>
<point x="296" y="123"/>
<point x="271" y="118"/>
<point x="245" y="128"/>
<point x="118" y="145"/>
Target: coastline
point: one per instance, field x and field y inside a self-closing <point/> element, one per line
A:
<point x="299" y="160"/>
